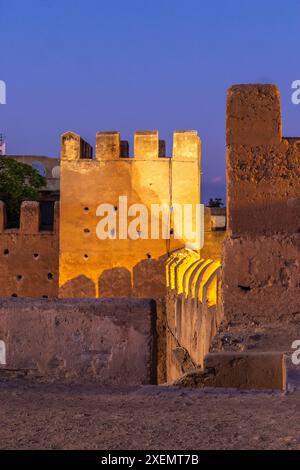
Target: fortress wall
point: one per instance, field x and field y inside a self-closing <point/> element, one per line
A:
<point x="29" y="257"/>
<point x="193" y="311"/>
<point x="108" y="341"/>
<point x="261" y="276"/>
<point x="90" y="267"/>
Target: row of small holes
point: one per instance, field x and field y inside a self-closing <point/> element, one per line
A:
<point x="6" y="253"/>
<point x="50" y="276"/>
<point x="43" y="296"/>
<point x="87" y="209"/>
<point x="86" y="257"/>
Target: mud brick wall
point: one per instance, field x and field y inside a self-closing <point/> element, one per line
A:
<point x="261" y="272"/>
<point x="29" y="256"/>
<point x="107" y="341"/>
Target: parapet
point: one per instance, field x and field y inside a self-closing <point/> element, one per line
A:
<point x="73" y="147"/>
<point x="108" y="145"/>
<point x="253" y="115"/>
<point x="30" y="219"/>
<point x="186" y="145"/>
<point x="147" y="146"/>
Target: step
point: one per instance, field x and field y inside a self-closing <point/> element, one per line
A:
<point x="241" y="370"/>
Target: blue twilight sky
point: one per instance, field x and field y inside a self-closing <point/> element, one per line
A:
<point x="88" y="65"/>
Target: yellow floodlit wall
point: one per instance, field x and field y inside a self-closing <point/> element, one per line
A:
<point x="89" y="267"/>
<point x="188" y="274"/>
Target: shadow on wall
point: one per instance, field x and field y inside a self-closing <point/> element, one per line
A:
<point x="147" y="280"/>
<point x="82" y="286"/>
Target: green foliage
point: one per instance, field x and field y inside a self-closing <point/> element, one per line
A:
<point x="18" y="182"/>
<point x="216" y="202"/>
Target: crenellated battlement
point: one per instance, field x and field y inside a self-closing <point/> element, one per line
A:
<point x="28" y="254"/>
<point x="30" y="219"/>
<point x="147" y="146"/>
<point x="89" y="266"/>
<point x="73" y="147"/>
<point x="92" y="267"/>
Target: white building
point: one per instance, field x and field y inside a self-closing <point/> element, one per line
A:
<point x="2" y="145"/>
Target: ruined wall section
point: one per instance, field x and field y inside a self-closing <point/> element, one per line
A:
<point x="261" y="275"/>
<point x="29" y="256"/>
<point x="108" y="341"/>
<point x="90" y="267"/>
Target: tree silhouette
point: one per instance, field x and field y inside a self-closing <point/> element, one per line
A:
<point x="215" y="202"/>
<point x="18" y="182"/>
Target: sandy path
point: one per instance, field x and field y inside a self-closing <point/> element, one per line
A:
<point x="52" y="417"/>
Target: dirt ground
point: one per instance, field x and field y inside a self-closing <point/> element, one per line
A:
<point x="73" y="417"/>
